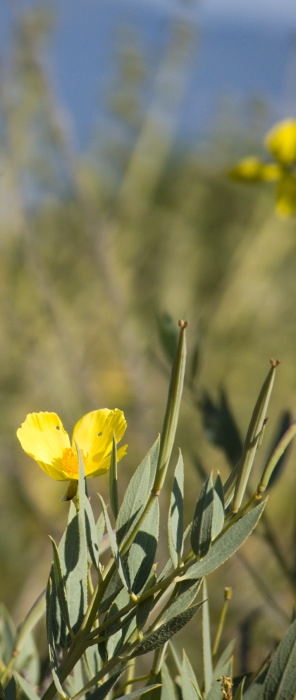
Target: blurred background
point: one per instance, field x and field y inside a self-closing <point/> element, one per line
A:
<point x="118" y="122"/>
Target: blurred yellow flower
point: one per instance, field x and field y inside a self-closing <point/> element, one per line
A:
<point x="280" y="141"/>
<point x="43" y="437"/>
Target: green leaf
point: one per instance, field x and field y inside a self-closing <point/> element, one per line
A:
<point x="186" y="593"/>
<point x="114" y="586"/>
<point x="168" y="688"/>
<point x="7" y="635"/>
<point x="51" y="622"/>
<point x="189" y="685"/>
<point x="172" y="409"/>
<point x="137" y="495"/>
<point x="59" y="585"/>
<point x="238" y="479"/>
<point x="113" y="480"/>
<point x="280" y="681"/>
<point x="138" y="693"/>
<point x="140" y="558"/>
<point x="206" y="641"/>
<point x="201" y="532"/>
<point x="92" y="534"/>
<point x="103" y="690"/>
<point x="226" y="545"/>
<point x="2" y="693"/>
<point x="27" y="661"/>
<point x="224" y="658"/>
<point x="157" y="638"/>
<point x="218" y="508"/>
<point x="118" y="560"/>
<point x="73" y="557"/>
<point x="118" y="632"/>
<point x="238" y="695"/>
<point x="276" y="457"/>
<point x="27" y="689"/>
<point x="11" y="689"/>
<point x="175" y="522"/>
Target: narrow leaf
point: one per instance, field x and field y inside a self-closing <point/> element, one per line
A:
<point x="185" y="596"/>
<point x="224" y="658"/>
<point x="172" y="409"/>
<point x="91" y="533"/>
<point x="206" y="641"/>
<point x="201" y="533"/>
<point x="226" y="545"/>
<point x="102" y="690"/>
<point x="238" y="695"/>
<point x="59" y="585"/>
<point x="119" y="564"/>
<point x="27" y="689"/>
<point x="276" y="457"/>
<point x="50" y="624"/>
<point x="280" y="681"/>
<point x="175" y="522"/>
<point x="218" y="508"/>
<point x="138" y="693"/>
<point x="168" y="688"/>
<point x="142" y="551"/>
<point x="157" y="638"/>
<point x="239" y="477"/>
<point x="189" y="685"/>
<point x="137" y="495"/>
<point x="113" y="479"/>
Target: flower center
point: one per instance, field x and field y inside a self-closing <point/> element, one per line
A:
<point x="70" y="461"/>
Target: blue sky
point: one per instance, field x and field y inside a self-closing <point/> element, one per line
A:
<point x="230" y="58"/>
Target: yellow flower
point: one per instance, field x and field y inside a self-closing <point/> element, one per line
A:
<point x="281" y="143"/>
<point x="43" y="437"/>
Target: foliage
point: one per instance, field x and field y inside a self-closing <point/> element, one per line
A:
<point x="101" y="615"/>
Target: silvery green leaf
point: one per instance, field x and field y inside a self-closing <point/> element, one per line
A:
<point x="201" y="532"/>
<point x="91" y="533"/>
<point x="118" y="560"/>
<point x="175" y="521"/>
<point x="218" y="509"/>
<point x="137" y="495"/>
<point x="189" y="683"/>
<point x="11" y="689"/>
<point x="224" y="658"/>
<point x="206" y="640"/>
<point x="280" y="681"/>
<point x="26" y="688"/>
<point x="140" y="557"/>
<point x="113" y="480"/>
<point x="138" y="693"/>
<point x="156" y="639"/>
<point x="168" y="688"/>
<point x="183" y="599"/>
<point x="224" y="547"/>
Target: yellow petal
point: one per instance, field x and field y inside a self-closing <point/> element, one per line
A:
<point x="94" y="435"/>
<point x="43" y="437"/>
<point x="286" y="196"/>
<point x="281" y="141"/>
<point x="252" y="169"/>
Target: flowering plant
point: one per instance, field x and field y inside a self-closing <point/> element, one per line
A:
<point x="280" y="141"/>
<point x="102" y="614"/>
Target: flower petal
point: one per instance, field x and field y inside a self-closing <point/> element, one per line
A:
<point x="43" y="437"/>
<point x="286" y="196"/>
<point x="104" y="463"/>
<point x="252" y="169"/>
<point x="94" y="435"/>
<point x="281" y="141"/>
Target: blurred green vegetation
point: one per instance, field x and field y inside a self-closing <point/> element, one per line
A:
<point x="89" y="262"/>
